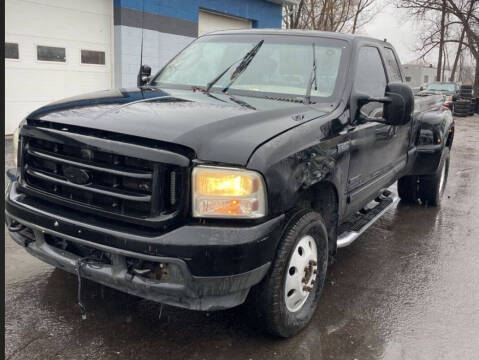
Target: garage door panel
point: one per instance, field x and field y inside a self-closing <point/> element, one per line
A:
<point x="73" y="25"/>
<point x="89" y="82"/>
<point x="32" y="85"/>
<point x="38" y="20"/>
<point x="17" y="111"/>
<point x="209" y="21"/>
<point x="95" y="6"/>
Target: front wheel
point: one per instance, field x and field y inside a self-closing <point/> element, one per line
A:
<point x="288" y="296"/>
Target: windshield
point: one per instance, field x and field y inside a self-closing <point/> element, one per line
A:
<point x="282" y="65"/>
<point x="441" y="87"/>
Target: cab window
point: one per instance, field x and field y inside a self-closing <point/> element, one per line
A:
<point x="392" y="65"/>
<point x="370" y="79"/>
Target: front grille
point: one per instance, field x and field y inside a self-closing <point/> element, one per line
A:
<point x="84" y="176"/>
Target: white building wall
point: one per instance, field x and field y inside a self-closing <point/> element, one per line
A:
<point x="73" y="25"/>
<point x="420" y="75"/>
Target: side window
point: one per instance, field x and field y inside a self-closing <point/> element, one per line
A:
<point x="370" y="79"/>
<point x="393" y="65"/>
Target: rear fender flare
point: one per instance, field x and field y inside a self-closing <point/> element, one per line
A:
<point x="431" y="133"/>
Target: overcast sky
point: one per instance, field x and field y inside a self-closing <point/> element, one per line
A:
<point x="395" y="26"/>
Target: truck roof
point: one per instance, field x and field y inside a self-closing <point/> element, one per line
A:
<point x="296" y="32"/>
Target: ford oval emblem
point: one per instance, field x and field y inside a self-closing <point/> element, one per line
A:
<point x="76" y="175"/>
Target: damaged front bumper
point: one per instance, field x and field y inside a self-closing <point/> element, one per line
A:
<point x="174" y="282"/>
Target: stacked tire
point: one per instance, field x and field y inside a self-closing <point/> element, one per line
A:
<point x="465" y="105"/>
<point x="462" y="108"/>
<point x="465" y="92"/>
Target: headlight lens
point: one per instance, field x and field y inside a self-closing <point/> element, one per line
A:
<point x="16" y="136"/>
<point x="228" y="193"/>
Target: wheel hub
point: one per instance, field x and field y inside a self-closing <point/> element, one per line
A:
<point x="301" y="273"/>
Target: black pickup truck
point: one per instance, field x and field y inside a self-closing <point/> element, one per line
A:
<point x="234" y="174"/>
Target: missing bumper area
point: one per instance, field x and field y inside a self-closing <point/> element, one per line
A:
<point x="148" y="269"/>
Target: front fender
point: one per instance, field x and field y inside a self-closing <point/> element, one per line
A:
<point x="300" y="158"/>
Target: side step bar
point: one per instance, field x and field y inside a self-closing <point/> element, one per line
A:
<point x="366" y="220"/>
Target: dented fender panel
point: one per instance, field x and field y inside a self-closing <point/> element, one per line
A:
<point x="297" y="160"/>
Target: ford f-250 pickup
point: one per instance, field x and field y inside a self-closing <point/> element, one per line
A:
<point x="232" y="174"/>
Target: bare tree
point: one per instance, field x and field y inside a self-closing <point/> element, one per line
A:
<point x="363" y="14"/>
<point x="442" y="30"/>
<point x="292" y="15"/>
<point x="467" y="11"/>
<point x="464" y="12"/>
<point x="329" y="15"/>
<point x="458" y="54"/>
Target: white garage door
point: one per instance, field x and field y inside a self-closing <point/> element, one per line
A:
<point x="54" y="49"/>
<point x="208" y="22"/>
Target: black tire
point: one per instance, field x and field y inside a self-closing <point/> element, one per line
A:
<point x="461" y="110"/>
<point x="408" y="189"/>
<point x="430" y="189"/>
<point x="269" y="294"/>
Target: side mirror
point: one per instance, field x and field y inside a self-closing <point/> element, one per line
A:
<point x="143" y="75"/>
<point x="398" y="105"/>
<point x="401" y="107"/>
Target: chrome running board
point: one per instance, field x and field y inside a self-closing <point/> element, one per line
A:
<point x="348" y="236"/>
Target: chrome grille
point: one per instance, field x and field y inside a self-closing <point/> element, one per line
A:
<point x="100" y="180"/>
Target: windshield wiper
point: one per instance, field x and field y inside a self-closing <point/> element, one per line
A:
<point x="243" y="64"/>
<point x="313" y="79"/>
<point x="215" y="80"/>
<point x="248" y="57"/>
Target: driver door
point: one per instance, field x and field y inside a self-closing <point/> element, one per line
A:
<point x="372" y="160"/>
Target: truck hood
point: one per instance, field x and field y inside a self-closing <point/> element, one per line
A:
<point x="216" y="127"/>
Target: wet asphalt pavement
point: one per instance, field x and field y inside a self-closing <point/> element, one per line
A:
<point x="407" y="289"/>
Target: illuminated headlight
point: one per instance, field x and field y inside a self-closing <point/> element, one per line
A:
<point x="16" y="137"/>
<point x="228" y="193"/>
